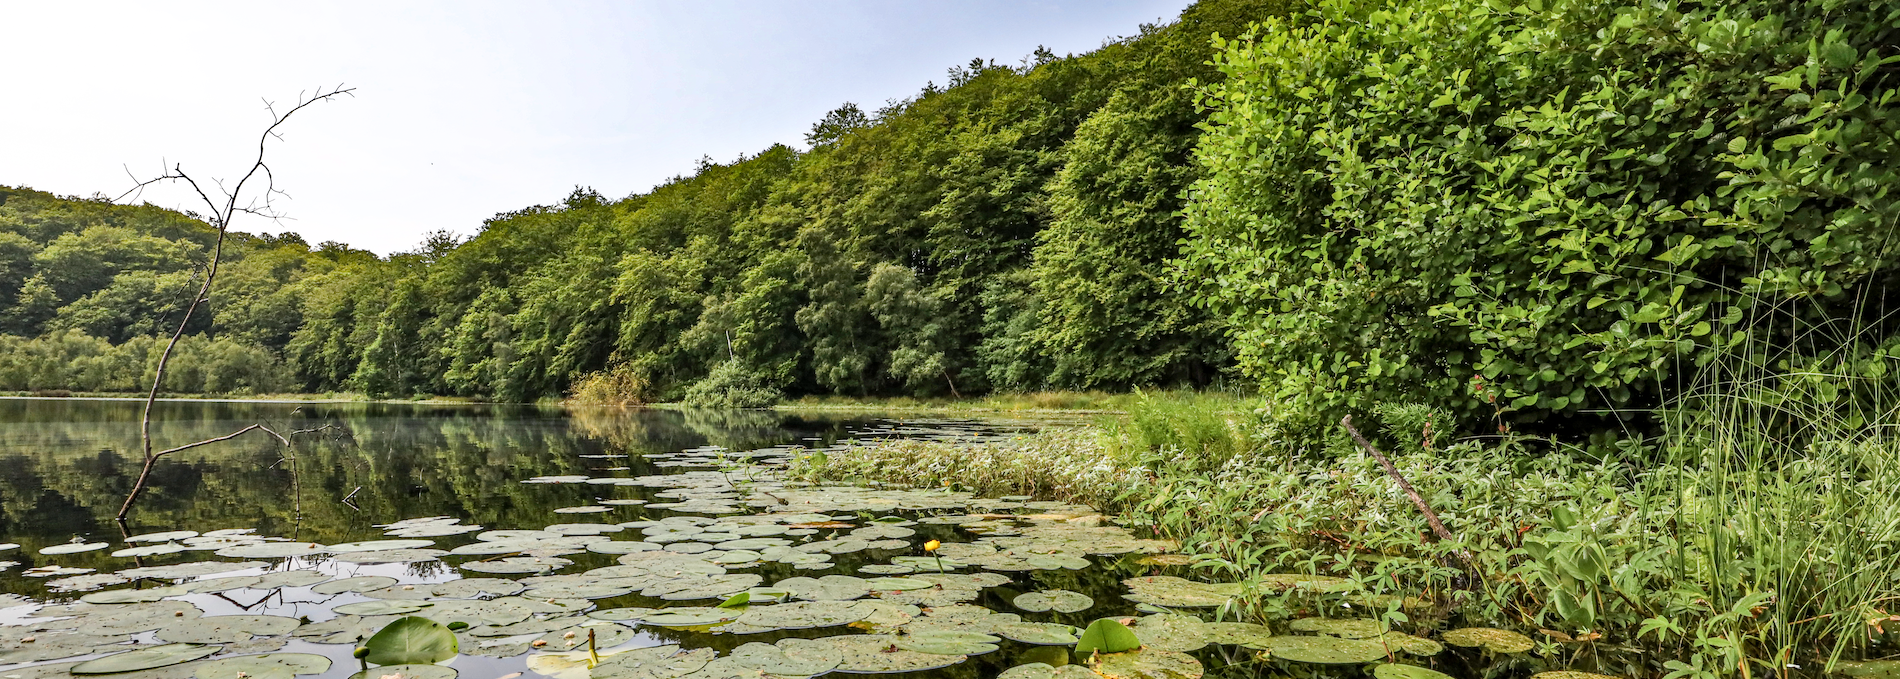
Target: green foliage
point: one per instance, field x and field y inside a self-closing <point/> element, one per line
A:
<point x="411" y="640"/>
<point x="1540" y="212"/>
<point x="1106" y="636"/>
<point x="731" y="385"/>
<point x="74" y="361"/>
<point x="1181" y="431"/>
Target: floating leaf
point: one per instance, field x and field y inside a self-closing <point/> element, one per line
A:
<point x="166" y="536"/>
<point x="1058" y="600"/>
<point x="411" y="640"/>
<point x="1492" y="639"/>
<point x="789" y="657"/>
<point x="145" y="659"/>
<point x="361" y="583"/>
<point x="73" y="548"/>
<point x="879" y="654"/>
<point x="1171" y="632"/>
<point x="1237" y="634"/>
<point x="1397" y="671"/>
<point x="149" y="550"/>
<point x="1325" y="650"/>
<point x="220" y="629"/>
<point x="948" y="643"/>
<point x="272" y="550"/>
<point x="129" y="596"/>
<point x="302" y="578"/>
<point x="379" y="545"/>
<point x="262" y="666"/>
<point x="1043" y="633"/>
<point x="1350" y="628"/>
<point x="391" y="556"/>
<point x="659" y="662"/>
<point x="1107" y="636"/>
<point x="1149" y="664"/>
<point x="693" y="616"/>
<point x="380" y="607"/>
<point x="408" y="672"/>
<point x="1173" y="592"/>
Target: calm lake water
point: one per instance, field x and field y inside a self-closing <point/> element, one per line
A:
<point x="67" y="464"/>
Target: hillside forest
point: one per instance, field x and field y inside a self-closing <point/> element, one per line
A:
<point x="1533" y="214"/>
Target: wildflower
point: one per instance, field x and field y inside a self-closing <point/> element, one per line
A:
<point x="932" y="546"/>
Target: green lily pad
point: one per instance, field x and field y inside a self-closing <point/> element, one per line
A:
<point x="1173" y="592"/>
<point x="1058" y="600"/>
<point x="1107" y="636"/>
<point x="804" y="614"/>
<point x="1325" y="650"/>
<point x="73" y="548"/>
<point x="224" y="584"/>
<point x="1419" y="646"/>
<point x="659" y="662"/>
<point x="380" y="607"/>
<point x="516" y="564"/>
<point x="361" y="583"/>
<point x="149" y="550"/>
<point x="621" y="547"/>
<point x="130" y="596"/>
<point x="1397" y="671"/>
<point x="145" y="659"/>
<point x="880" y="654"/>
<point x="411" y="640"/>
<point x="789" y="657"/>
<point x="408" y="671"/>
<point x="690" y="616"/>
<point x="272" y="550"/>
<point x="1149" y="664"/>
<point x="606" y="635"/>
<point x="948" y="643"/>
<point x="470" y="588"/>
<point x="1492" y="639"/>
<point x="191" y="570"/>
<point x="898" y="584"/>
<point x="1237" y="634"/>
<point x="379" y="545"/>
<point x="1171" y="632"/>
<point x="222" y="629"/>
<point x="1042" y="633"/>
<point x="928" y="564"/>
<point x="299" y="578"/>
<point x="827" y="588"/>
<point x="1037" y="670"/>
<point x="1349" y="628"/>
<point x="391" y="556"/>
<point x="262" y="666"/>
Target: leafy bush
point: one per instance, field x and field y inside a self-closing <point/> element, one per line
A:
<point x="75" y="361"/>
<point x="1182" y="430"/>
<point x="1542" y="211"/>
<point x="618" y="386"/>
<point x="731" y="385"/>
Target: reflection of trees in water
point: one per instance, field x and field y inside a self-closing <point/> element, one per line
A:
<point x="62" y="467"/>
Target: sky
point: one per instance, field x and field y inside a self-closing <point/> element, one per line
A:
<point x="465" y="109"/>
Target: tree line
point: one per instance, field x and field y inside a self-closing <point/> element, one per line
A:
<point x="1512" y="212"/>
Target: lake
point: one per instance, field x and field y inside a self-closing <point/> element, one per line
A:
<point x="528" y="524"/>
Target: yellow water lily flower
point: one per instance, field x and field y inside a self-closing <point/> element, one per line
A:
<point x="932" y="546"/>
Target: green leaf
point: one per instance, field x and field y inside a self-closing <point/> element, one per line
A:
<point x="145" y="659"/>
<point x="739" y="600"/>
<point x="1107" y="636"/>
<point x="411" y="640"/>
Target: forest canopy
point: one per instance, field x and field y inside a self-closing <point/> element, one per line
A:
<point x="1506" y="212"/>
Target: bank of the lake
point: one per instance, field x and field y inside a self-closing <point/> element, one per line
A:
<point x="1714" y="549"/>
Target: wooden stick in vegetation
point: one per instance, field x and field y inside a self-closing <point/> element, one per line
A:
<point x="220" y="217"/>
<point x="1431" y="517"/>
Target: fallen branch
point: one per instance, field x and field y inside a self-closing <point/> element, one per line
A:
<point x="145" y="472"/>
<point x="1431" y="517"/>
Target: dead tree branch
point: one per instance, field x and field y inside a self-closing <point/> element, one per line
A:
<point x="1431" y="517"/>
<point x="220" y="218"/>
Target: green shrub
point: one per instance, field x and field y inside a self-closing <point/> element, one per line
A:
<point x="731" y="385"/>
<point x="1184" y="430"/>
<point x="1524" y="212"/>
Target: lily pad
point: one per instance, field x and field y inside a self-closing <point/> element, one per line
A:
<point x="145" y="659"/>
<point x="1149" y="664"/>
<point x="1171" y="632"/>
<point x="379" y="545"/>
<point x="224" y="584"/>
<point x="880" y="654"/>
<point x="1325" y="650"/>
<point x="1173" y="592"/>
<point x="298" y="578"/>
<point x="264" y="666"/>
<point x="1237" y="634"/>
<point x="391" y="556"/>
<point x="1107" y="636"/>
<point x="1042" y="633"/>
<point x="411" y="640"/>
<point x="647" y="663"/>
<point x="690" y="616"/>
<point x="1397" y="671"/>
<point x="129" y="596"/>
<point x="272" y="550"/>
<point x="380" y="607"/>
<point x="221" y="629"/>
<point x="948" y="643"/>
<point x="149" y="550"/>
<point x="517" y="564"/>
<point x="73" y="548"/>
<point x="789" y="657"/>
<point x="606" y="635"/>
<point x="361" y="583"/>
<point x="1492" y="639"/>
<point x="470" y="588"/>
<point x="1349" y="628"/>
<point x="408" y="671"/>
<point x="1058" y="600"/>
<point x="621" y="547"/>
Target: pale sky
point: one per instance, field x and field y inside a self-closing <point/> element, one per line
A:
<point x="465" y="109"/>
